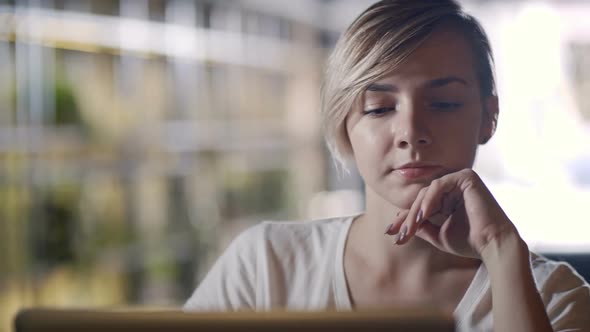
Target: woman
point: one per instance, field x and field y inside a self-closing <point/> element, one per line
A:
<point x="409" y="95"/>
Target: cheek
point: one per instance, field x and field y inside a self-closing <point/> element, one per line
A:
<point x="460" y="144"/>
<point x="361" y="146"/>
<point x="464" y="126"/>
<point x="367" y="145"/>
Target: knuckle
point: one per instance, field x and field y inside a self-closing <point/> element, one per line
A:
<point x="471" y="176"/>
<point x="422" y="192"/>
<point x="435" y="184"/>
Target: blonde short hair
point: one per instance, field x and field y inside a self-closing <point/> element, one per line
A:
<point x="378" y="41"/>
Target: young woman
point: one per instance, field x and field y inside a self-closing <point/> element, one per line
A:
<point x="409" y="95"/>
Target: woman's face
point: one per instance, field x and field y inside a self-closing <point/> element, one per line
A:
<point x="422" y="121"/>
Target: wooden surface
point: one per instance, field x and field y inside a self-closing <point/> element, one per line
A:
<point x="44" y="320"/>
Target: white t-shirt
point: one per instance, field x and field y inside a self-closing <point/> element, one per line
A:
<point x="299" y="266"/>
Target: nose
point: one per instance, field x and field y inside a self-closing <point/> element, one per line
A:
<point x="410" y="129"/>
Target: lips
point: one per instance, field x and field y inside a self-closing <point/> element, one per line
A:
<point x="417" y="170"/>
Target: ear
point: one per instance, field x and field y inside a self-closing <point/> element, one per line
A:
<point x="489" y="119"/>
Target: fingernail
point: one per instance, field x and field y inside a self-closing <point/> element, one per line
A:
<point x="388" y="228"/>
<point x="402" y="234"/>
<point x="419" y="217"/>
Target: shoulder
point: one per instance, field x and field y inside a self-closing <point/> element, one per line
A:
<point x="547" y="272"/>
<point x="565" y="293"/>
<point x="265" y="258"/>
<point x="286" y="236"/>
<point x="305" y="230"/>
<point x="290" y="236"/>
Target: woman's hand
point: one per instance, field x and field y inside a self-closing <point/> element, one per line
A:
<point x="455" y="213"/>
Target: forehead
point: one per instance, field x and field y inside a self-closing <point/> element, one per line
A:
<point x="445" y="53"/>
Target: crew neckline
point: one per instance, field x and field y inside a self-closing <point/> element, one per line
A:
<point x="474" y="291"/>
<point x="341" y="293"/>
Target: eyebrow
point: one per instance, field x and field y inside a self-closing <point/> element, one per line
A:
<point x="440" y="82"/>
<point x="436" y="83"/>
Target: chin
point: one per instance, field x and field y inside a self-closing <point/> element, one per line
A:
<point x="399" y="194"/>
<point x="403" y="198"/>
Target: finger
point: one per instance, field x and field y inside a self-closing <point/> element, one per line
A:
<point x="437" y="219"/>
<point x="438" y="199"/>
<point x="409" y="227"/>
<point x="451" y="201"/>
<point x="458" y="217"/>
<point x="429" y="233"/>
<point x="396" y="224"/>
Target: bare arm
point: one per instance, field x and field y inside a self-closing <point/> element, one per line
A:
<point x="476" y="226"/>
<point x="517" y="305"/>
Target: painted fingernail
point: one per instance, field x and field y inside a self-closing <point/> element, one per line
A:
<point x="419" y="217"/>
<point x="388" y="228"/>
<point x="402" y="235"/>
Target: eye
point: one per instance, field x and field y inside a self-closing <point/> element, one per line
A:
<point x="445" y="106"/>
<point x="376" y="112"/>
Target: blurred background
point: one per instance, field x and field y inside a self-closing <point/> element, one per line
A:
<point x="138" y="137"/>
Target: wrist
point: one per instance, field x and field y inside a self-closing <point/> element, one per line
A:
<point x="504" y="248"/>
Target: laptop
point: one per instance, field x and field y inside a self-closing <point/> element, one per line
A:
<point x="408" y="320"/>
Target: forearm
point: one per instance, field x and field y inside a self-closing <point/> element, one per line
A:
<point x="517" y="305"/>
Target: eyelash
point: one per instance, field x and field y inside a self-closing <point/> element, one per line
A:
<point x="376" y="112"/>
<point x="446" y="106"/>
<point x="441" y="106"/>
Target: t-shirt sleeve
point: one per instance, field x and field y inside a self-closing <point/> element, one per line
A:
<point x="230" y="285"/>
<point x="567" y="298"/>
